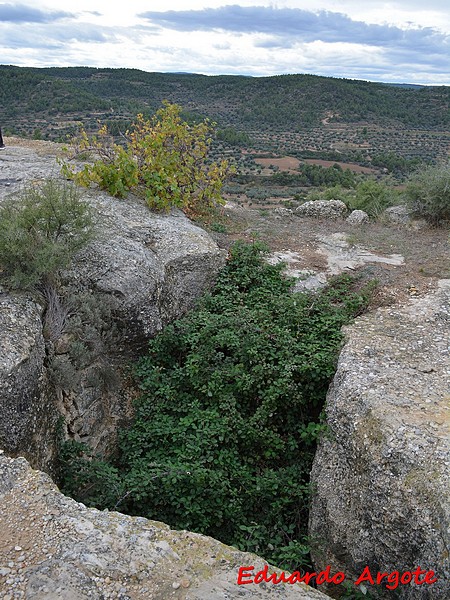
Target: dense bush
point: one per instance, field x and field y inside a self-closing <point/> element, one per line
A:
<point x="316" y="175"/>
<point x="336" y="192"/>
<point x="224" y="430"/>
<point x="40" y="231"/>
<point x="394" y="163"/>
<point x="233" y="137"/>
<point x="428" y="193"/>
<point x="163" y="159"/>
<point x="373" y="197"/>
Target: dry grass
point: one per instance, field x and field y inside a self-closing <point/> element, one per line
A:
<point x="426" y="252"/>
<point x="42" y="147"/>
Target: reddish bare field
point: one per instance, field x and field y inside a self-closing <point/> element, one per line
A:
<point x="330" y="163"/>
<point x="290" y="164"/>
<point x="285" y="163"/>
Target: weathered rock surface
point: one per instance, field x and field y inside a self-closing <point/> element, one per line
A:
<point x="403" y="216"/>
<point x="399" y="215"/>
<point x="146" y="268"/>
<point x="154" y="265"/>
<point x="382" y="474"/>
<point x="19" y="165"/>
<point x="53" y="548"/>
<point x="28" y="415"/>
<point x="325" y="209"/>
<point x="357" y="217"/>
<point x="340" y="256"/>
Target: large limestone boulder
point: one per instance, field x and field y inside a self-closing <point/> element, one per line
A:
<point x="381" y="476"/>
<point x="398" y="215"/>
<point x="150" y="269"/>
<point x="53" y="548"/>
<point x="153" y="266"/>
<point x="403" y="216"/>
<point x="146" y="268"/>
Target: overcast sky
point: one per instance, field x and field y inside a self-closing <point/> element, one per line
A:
<point x="397" y="41"/>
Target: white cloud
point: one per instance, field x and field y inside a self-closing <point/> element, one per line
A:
<point x="401" y="40"/>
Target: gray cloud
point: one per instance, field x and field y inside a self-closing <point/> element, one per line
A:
<point x="282" y="42"/>
<point x="275" y="42"/>
<point x="297" y="24"/>
<point x="39" y="36"/>
<point x="20" y="13"/>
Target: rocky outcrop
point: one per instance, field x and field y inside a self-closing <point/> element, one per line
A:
<point x="28" y="413"/>
<point x="53" y="548"/>
<point x="148" y="269"/>
<point x="153" y="266"/>
<point x="403" y="216"/>
<point x="325" y="209"/>
<point x="341" y="255"/>
<point x="141" y="271"/>
<point x="399" y="215"/>
<point x="381" y="476"/>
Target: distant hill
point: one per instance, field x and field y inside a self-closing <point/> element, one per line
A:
<point x="407" y="85"/>
<point x="49" y="101"/>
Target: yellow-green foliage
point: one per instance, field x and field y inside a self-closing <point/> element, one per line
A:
<point x="164" y="159"/>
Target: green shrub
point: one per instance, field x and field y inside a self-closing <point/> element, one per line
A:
<point x="40" y="231"/>
<point x="164" y="159"/>
<point x="336" y="192"/>
<point x="373" y="197"/>
<point x="428" y="193"/>
<point x="223" y="434"/>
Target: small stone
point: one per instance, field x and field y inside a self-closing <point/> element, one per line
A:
<point x="17" y="548"/>
<point x="176" y="585"/>
<point x="358" y="217"/>
<point x="185" y="583"/>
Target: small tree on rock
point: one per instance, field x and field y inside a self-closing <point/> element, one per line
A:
<point x="41" y="230"/>
<point x="163" y="159"/>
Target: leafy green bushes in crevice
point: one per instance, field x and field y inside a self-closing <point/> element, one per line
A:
<point x="224" y="430"/>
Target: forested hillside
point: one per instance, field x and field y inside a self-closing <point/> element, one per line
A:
<point x="286" y="113"/>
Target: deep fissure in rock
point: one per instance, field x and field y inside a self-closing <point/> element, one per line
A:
<point x="224" y="430"/>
